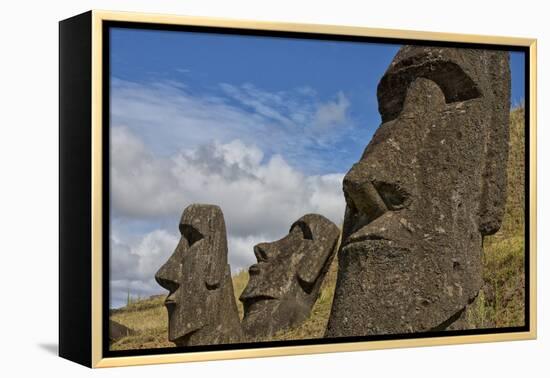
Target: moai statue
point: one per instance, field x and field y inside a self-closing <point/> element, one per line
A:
<point x="285" y="283"/>
<point x="201" y="303"/>
<point x="429" y="186"/>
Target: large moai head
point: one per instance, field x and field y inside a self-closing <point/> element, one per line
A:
<point x="429" y="186"/>
<point x="201" y="303"/>
<point x="284" y="284"/>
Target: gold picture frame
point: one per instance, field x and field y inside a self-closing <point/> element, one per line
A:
<point x="91" y="24"/>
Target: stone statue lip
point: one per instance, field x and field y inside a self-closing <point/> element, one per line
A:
<point x="170" y="301"/>
<point x="254" y="269"/>
<point x="252" y="298"/>
<point x="364" y="239"/>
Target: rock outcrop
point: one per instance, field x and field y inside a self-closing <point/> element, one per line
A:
<point x="118" y="331"/>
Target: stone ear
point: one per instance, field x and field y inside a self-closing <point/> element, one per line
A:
<point x="214" y="275"/>
<point x="314" y="263"/>
<point x="216" y="256"/>
<point x="493" y="186"/>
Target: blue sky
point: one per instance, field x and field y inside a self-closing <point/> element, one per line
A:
<point x="264" y="127"/>
<point x="203" y="61"/>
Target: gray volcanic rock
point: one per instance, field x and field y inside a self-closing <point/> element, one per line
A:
<point x="284" y="284"/>
<point x="117" y="331"/>
<point x="429" y="186"/>
<point x="201" y="303"/>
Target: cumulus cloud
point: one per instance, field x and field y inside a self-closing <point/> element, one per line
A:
<point x="241" y="250"/>
<point x="260" y="197"/>
<point x="255" y="193"/>
<point x="264" y="157"/>
<point x="141" y="185"/>
<point x="133" y="265"/>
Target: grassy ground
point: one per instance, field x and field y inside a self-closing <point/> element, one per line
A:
<point x="501" y="301"/>
<point x="239" y="283"/>
<point x="148" y="317"/>
<point x="499" y="304"/>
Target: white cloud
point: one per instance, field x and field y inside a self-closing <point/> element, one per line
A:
<point x="260" y="198"/>
<point x="271" y="106"/>
<point x="141" y="185"/>
<point x="298" y="109"/>
<point x="255" y="194"/>
<point x="170" y="116"/>
<point x="133" y="265"/>
<point x="332" y="113"/>
<point x="252" y="152"/>
<point x="241" y="250"/>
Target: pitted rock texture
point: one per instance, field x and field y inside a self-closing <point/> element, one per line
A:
<point x="429" y="186"/>
<point x="201" y="303"/>
<point x="285" y="283"/>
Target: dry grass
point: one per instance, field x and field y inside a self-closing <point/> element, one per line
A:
<point x="239" y="283"/>
<point x="500" y="303"/>
<point x="148" y="317"/>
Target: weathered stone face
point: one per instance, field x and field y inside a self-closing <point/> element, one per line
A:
<point x="429" y="186"/>
<point x="201" y="304"/>
<point x="284" y="284"/>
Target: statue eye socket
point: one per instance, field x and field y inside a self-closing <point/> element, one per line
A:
<point x="190" y="233"/>
<point x="304" y="228"/>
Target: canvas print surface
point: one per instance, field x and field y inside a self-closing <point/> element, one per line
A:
<point x="276" y="189"/>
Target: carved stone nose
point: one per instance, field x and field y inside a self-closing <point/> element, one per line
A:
<point x="166" y="277"/>
<point x="362" y="194"/>
<point x="168" y="284"/>
<point x="261" y="251"/>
